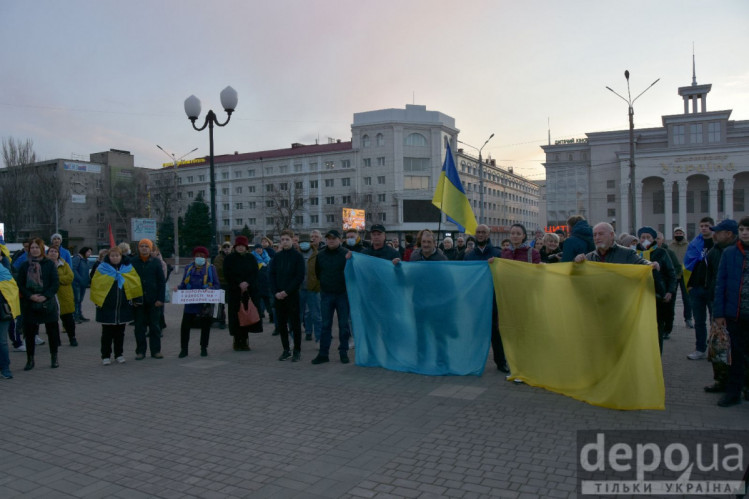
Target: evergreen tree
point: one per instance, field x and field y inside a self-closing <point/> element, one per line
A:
<point x="247" y="233"/>
<point x="196" y="230"/>
<point x="166" y="237"/>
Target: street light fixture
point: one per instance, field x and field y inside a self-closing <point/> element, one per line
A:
<point x="632" y="191"/>
<point x="229" y="101"/>
<point x="175" y="161"/>
<point x="481" y="176"/>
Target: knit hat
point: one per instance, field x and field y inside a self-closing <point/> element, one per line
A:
<point x="241" y="241"/>
<point x="146" y="241"/>
<point x="198" y="250"/>
<point x="647" y="230"/>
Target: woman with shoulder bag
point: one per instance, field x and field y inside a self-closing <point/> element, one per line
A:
<point x="38" y="282"/>
<point x="198" y="275"/>
<point x="241" y="271"/>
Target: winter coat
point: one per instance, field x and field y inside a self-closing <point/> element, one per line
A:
<point x="728" y="283"/>
<point x="286" y="272"/>
<point x="477" y="253"/>
<point x="386" y="252"/>
<point x="238" y="268"/>
<point x="437" y="256"/>
<point x="680" y="248"/>
<point x="312" y="282"/>
<point x="550" y="257"/>
<point x="329" y="269"/>
<point x="452" y="254"/>
<point x="81" y="276"/>
<point x="664" y="278"/>
<point x="152" y="279"/>
<point x="579" y="242"/>
<point x="204" y="277"/>
<point x="713" y="263"/>
<point x="218" y="262"/>
<point x="65" y="291"/>
<point x="522" y="254"/>
<point x="116" y="308"/>
<point x="617" y="254"/>
<point x="35" y="312"/>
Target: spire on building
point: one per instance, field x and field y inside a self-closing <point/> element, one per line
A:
<point x="694" y="70"/>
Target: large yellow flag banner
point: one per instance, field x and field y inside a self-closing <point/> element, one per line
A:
<point x="586" y="330"/>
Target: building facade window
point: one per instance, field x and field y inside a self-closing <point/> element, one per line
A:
<point x="314" y="219"/>
<point x="380" y="140"/>
<point x="251" y="188"/>
<point x="251" y="173"/>
<point x="678" y="135"/>
<point x="415" y="139"/>
<point x="713" y="132"/>
<point x="381" y="161"/>
<point x="381" y="180"/>
<point x="329" y="182"/>
<point x="611" y="184"/>
<point x="298" y="185"/>
<point x="313" y="167"/>
<point x="299" y="219"/>
<point x="283" y="186"/>
<point x="330" y="219"/>
<point x="695" y="133"/>
<point x="314" y="201"/>
<point x="416" y="182"/>
<point x="201" y="178"/>
<point x="298" y="168"/>
<point x="329" y="165"/>
<point x="346" y="163"/>
<point x="268" y="187"/>
<point x="367" y="161"/>
<point x="367" y="180"/>
<point x="269" y="203"/>
<point x="346" y="200"/>
<point x="330" y="200"/>
<point x="365" y="141"/>
<point x="381" y="198"/>
<point x="238" y="206"/>
<point x="238" y="190"/>
<point x="269" y="221"/>
<point x="611" y="198"/>
<point x="415" y="164"/>
<point x="346" y="182"/>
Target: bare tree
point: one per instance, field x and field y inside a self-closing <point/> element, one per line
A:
<point x="162" y="188"/>
<point x="288" y="202"/>
<point x="49" y="194"/>
<point x="13" y="185"/>
<point x="128" y="193"/>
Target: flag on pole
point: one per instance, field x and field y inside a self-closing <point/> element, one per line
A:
<point x="450" y="197"/>
<point x="111" y="238"/>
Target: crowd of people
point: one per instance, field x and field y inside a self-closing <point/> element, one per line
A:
<point x="300" y="285"/>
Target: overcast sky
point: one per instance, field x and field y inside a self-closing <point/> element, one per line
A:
<point x="86" y="76"/>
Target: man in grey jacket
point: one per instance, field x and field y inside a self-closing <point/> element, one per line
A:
<point x="607" y="251"/>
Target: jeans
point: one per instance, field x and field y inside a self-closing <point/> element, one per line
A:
<point x="287" y="311"/>
<point x="4" y="353"/>
<point x="685" y="300"/>
<point x="701" y="306"/>
<point x="329" y="303"/>
<point x="309" y="308"/>
<point x="147" y="317"/>
<point x="78" y="294"/>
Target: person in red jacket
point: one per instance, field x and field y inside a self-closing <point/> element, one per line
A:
<point x="519" y="249"/>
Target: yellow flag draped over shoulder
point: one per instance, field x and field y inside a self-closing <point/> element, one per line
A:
<point x="9" y="289"/>
<point x="450" y="197"/>
<point x="105" y="275"/>
<point x="586" y="330"/>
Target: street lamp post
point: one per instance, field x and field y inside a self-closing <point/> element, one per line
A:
<point x="175" y="219"/>
<point x="481" y="176"/>
<point x="229" y="101"/>
<point x="632" y="191"/>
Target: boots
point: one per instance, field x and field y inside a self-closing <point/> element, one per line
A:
<point x="54" y="363"/>
<point x="29" y="362"/>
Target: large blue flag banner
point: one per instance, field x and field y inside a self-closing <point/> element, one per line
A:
<point x="429" y="318"/>
<point x="450" y="197"/>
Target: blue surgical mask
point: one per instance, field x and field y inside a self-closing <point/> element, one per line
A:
<point x="351" y="241"/>
<point x="304" y="246"/>
<point x="199" y="261"/>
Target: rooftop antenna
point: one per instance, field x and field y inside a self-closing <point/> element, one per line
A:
<point x="694" y="70"/>
<point x="548" y="126"/>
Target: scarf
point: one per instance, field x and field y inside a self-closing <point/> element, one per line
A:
<point x="125" y="277"/>
<point x="9" y="290"/>
<point x="263" y="259"/>
<point x="34" y="274"/>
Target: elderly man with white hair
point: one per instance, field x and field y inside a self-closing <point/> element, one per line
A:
<point x="607" y="250"/>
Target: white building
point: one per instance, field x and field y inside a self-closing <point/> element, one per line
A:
<point x="390" y="168"/>
<point x="695" y="165"/>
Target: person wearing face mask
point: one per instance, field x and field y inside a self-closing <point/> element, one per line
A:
<point x="309" y="293"/>
<point x="198" y="275"/>
<point x="664" y="277"/>
<point x="353" y="242"/>
<point x="679" y="245"/>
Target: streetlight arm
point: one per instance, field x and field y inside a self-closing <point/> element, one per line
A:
<point x="187" y="153"/>
<point x="468" y="145"/>
<point x="651" y="85"/>
<point x="613" y="92"/>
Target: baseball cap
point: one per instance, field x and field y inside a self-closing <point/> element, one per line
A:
<point x="333" y="233"/>
<point x="377" y="228"/>
<point x="728" y="224"/>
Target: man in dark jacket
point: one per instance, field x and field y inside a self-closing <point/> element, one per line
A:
<point x="218" y="262"/>
<point x="607" y="251"/>
<point x="664" y="277"/>
<point x="580" y="240"/>
<point x="286" y="276"/>
<point x="148" y="312"/>
<point x="379" y="249"/>
<point x="695" y="260"/>
<point x="724" y="235"/>
<point x="678" y="270"/>
<point x="81" y="281"/>
<point x="484" y="251"/>
<point x="329" y="267"/>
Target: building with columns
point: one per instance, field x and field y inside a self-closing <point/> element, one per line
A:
<point x="695" y="165"/>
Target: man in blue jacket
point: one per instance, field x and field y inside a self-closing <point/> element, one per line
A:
<point x="580" y="241"/>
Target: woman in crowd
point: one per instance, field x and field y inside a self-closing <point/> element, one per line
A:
<point x="550" y="251"/>
<point x="113" y="309"/>
<point x="156" y="253"/>
<point x="198" y="275"/>
<point x="65" y="297"/>
<point x="37" y="284"/>
<point x="450" y="251"/>
<point x="241" y="271"/>
<point x="263" y="257"/>
<point x="102" y="254"/>
<point x="519" y="249"/>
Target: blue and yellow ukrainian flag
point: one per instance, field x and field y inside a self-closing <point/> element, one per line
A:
<point x="9" y="290"/>
<point x="451" y="198"/>
<point x="105" y="275"/>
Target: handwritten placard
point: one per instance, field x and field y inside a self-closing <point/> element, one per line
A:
<point x="188" y="296"/>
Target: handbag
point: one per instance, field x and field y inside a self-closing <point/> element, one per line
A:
<point x="248" y="314"/>
<point x="6" y="314"/>
<point x="719" y="345"/>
